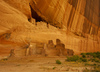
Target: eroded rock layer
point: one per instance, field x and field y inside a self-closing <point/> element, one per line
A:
<point x="78" y="16"/>
<point x="23" y="22"/>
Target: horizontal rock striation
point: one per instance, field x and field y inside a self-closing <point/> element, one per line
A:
<point x="75" y="22"/>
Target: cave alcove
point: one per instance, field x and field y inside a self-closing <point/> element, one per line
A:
<point x="35" y="15"/>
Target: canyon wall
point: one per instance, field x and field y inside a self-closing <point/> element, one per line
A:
<point x="75" y="22"/>
<point x="78" y="17"/>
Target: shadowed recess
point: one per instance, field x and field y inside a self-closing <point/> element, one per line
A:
<point x="35" y="15"/>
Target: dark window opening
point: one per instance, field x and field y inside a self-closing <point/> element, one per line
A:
<point x="35" y="15"/>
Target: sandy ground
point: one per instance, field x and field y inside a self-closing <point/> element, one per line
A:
<point x="39" y="64"/>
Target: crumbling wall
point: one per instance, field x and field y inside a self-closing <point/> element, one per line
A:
<point x="49" y="49"/>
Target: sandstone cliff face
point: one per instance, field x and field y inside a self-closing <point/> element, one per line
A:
<point x="78" y="16"/>
<point x="75" y="22"/>
<point x="21" y="5"/>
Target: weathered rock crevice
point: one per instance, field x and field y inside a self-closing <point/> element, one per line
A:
<point x="38" y="18"/>
<point x="35" y="15"/>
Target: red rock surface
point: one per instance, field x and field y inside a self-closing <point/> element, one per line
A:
<point x="78" y="20"/>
